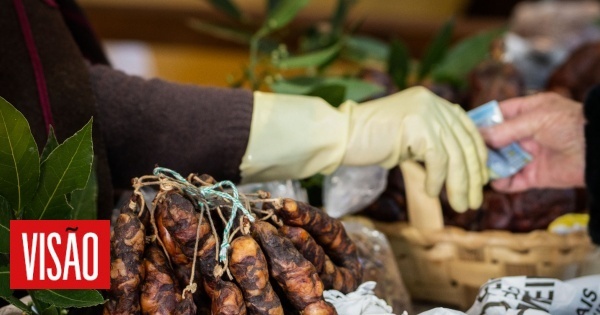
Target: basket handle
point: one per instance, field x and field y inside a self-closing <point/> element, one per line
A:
<point x="424" y="211"/>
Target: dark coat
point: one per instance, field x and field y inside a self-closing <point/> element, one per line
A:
<point x="137" y="123"/>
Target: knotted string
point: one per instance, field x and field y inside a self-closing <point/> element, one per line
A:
<point x="202" y="194"/>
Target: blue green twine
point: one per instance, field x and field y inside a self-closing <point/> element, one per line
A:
<point x="202" y="193"/>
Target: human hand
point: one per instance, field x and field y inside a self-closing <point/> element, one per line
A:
<point x="415" y="124"/>
<point x="550" y="128"/>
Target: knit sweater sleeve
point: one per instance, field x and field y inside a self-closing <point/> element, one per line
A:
<point x="186" y="128"/>
<point x="592" y="160"/>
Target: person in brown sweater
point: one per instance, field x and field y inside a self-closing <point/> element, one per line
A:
<point x="53" y="70"/>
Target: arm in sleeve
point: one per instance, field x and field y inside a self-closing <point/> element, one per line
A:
<point x="186" y="128"/>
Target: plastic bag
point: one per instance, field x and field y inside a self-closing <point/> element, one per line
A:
<point x="539" y="296"/>
<point x="278" y="189"/>
<point x="534" y="296"/>
<point x="363" y="301"/>
<point x="352" y="188"/>
<point x="379" y="263"/>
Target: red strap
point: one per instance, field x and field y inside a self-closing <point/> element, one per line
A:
<point x="36" y="63"/>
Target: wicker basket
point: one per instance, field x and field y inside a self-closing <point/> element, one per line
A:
<point x="447" y="265"/>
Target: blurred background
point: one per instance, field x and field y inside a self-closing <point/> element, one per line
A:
<point x="158" y="34"/>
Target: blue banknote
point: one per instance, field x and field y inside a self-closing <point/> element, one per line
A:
<point x="506" y="161"/>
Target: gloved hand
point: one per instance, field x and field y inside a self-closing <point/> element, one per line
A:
<point x="298" y="136"/>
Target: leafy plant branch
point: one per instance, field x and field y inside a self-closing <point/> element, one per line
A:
<point x="35" y="187"/>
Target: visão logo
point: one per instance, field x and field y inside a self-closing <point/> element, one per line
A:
<point x="59" y="254"/>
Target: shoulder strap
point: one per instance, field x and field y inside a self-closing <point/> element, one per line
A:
<point x="36" y="63"/>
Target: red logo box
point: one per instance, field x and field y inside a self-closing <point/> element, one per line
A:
<point x="59" y="254"/>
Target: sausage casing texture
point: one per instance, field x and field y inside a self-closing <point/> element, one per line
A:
<point x="333" y="277"/>
<point x="226" y="297"/>
<point x="177" y="223"/>
<point x="186" y="306"/>
<point x="319" y="308"/>
<point x="143" y="214"/>
<point x="296" y="275"/>
<point x="179" y="217"/>
<point x="165" y="225"/>
<point x="249" y="268"/>
<point x="160" y="293"/>
<point x="327" y="231"/>
<point x="126" y="270"/>
<point x="208" y="262"/>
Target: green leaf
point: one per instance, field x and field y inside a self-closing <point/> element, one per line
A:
<point x="17" y="303"/>
<point x="84" y="201"/>
<point x="398" y="63"/>
<point x="220" y="31"/>
<point x="227" y="7"/>
<point x="70" y="298"/>
<point x="40" y="306"/>
<point x="51" y="310"/>
<point x="313" y="39"/>
<point x="356" y="90"/>
<point x="311" y="59"/>
<point x="271" y="5"/>
<point x="464" y="56"/>
<point x="280" y="16"/>
<point x="4" y="259"/>
<point x="334" y="94"/>
<point x="66" y="169"/>
<point x="19" y="158"/>
<point x="5" y="217"/>
<point x="51" y="144"/>
<point x="362" y="48"/>
<point x="340" y="14"/>
<point x="297" y="85"/>
<point x="437" y="49"/>
<point x="5" y="290"/>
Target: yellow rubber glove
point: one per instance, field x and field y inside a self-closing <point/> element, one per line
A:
<point x="298" y="136"/>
